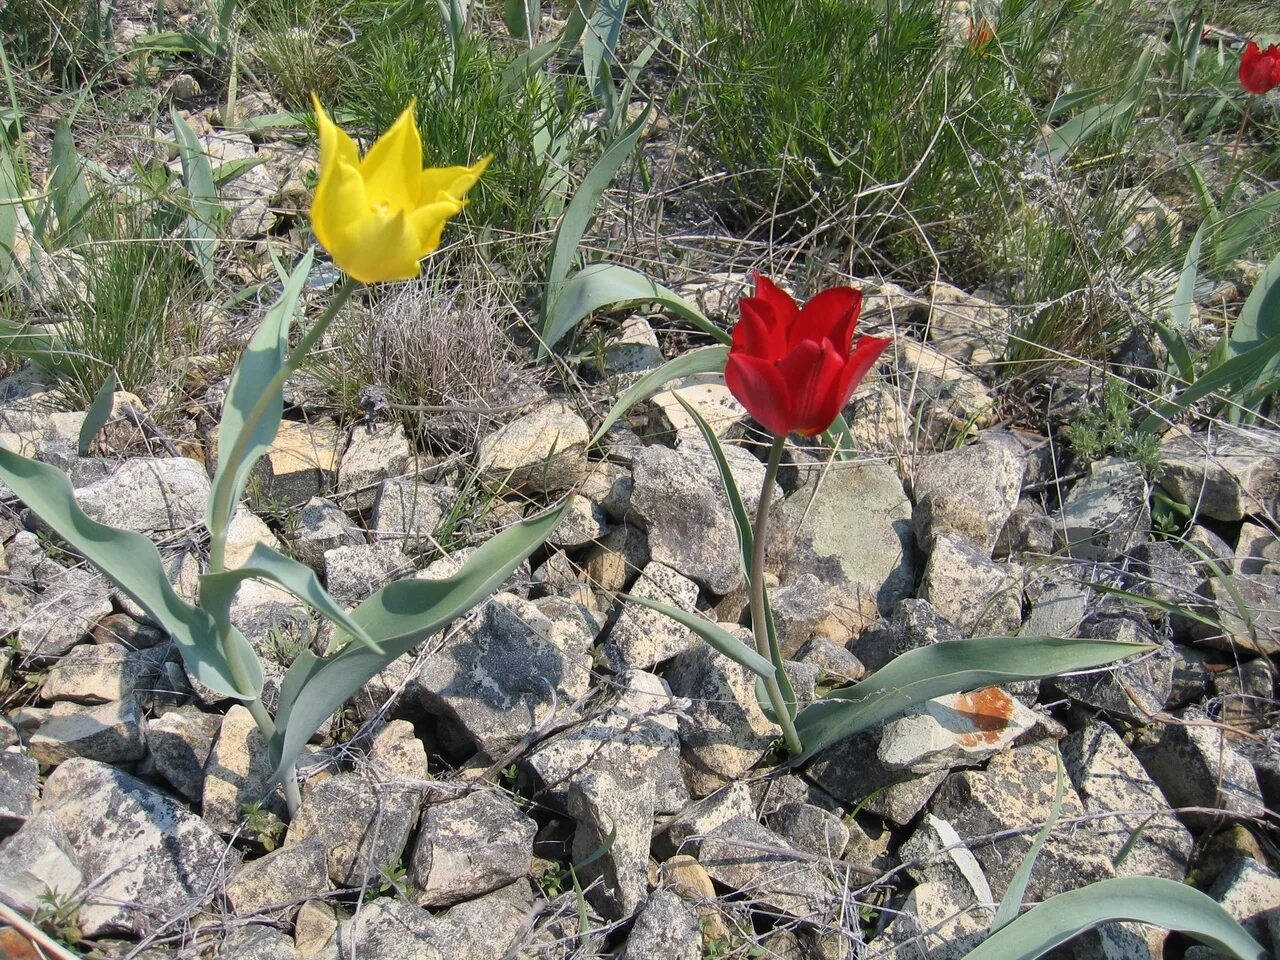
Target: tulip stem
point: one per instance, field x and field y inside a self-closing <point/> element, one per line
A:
<point x="759" y="619"/>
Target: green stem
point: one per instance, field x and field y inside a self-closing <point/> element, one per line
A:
<point x="759" y="621"/>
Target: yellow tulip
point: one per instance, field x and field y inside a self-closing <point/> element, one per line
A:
<point x="378" y="216"/>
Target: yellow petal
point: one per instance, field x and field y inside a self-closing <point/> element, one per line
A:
<point x="335" y="144"/>
<point x="428" y="221"/>
<point x="339" y="201"/>
<point x="378" y="248"/>
<point x="392" y="167"/>
<point x="454" y="182"/>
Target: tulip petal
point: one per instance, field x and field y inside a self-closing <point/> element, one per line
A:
<point x="335" y="144"/>
<point x="864" y="357"/>
<point x="784" y="307"/>
<point x="757" y="333"/>
<point x="832" y="314"/>
<point x="812" y="374"/>
<point x="759" y="387"/>
<point x="427" y="223"/>
<point x="392" y="169"/>
<point x="439" y="183"/>
<point x="339" y="201"/>
<point x="378" y="248"/>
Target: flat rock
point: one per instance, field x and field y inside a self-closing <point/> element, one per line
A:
<point x="756" y="862"/>
<point x="408" y="512"/>
<point x="1257" y="550"/>
<point x="633" y="348"/>
<point x="110" y="732"/>
<point x="703" y="816"/>
<point x="389" y="928"/>
<point x="954" y="730"/>
<point x="99" y="673"/>
<point x="149" y="495"/>
<point x="544" y="451"/>
<point x="912" y="624"/>
<point x="373" y="455"/>
<point x="256" y="942"/>
<point x="148" y="860"/>
<point x="671" y="423"/>
<point x="468" y="847"/>
<point x="1107" y="513"/>
<point x="810" y="828"/>
<point x="979" y="596"/>
<point x="642" y="638"/>
<point x="969" y="491"/>
<point x="66" y="610"/>
<point x="37" y="860"/>
<point x="619" y="816"/>
<point x="853" y="531"/>
<point x="501" y="672"/>
<point x="806" y="609"/>
<point x="280" y="880"/>
<point x="302" y="462"/>
<point x="966" y="327"/>
<point x="1247" y="613"/>
<point x="1196" y="766"/>
<point x="1228" y="476"/>
<point x="936" y="923"/>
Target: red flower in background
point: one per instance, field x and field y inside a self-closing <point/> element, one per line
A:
<point x="794" y="368"/>
<point x="1259" y="69"/>
<point x="980" y="35"/>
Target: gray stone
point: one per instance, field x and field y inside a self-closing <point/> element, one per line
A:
<point x="853" y="531"/>
<point x="362" y="822"/>
<point x="1248" y="695"/>
<point x="388" y="928"/>
<point x="1247" y="613"/>
<point x="280" y="880"/>
<point x="148" y="861"/>
<point x="555" y="575"/>
<point x="953" y="730"/>
<point x="468" y="847"/>
<point x="256" y="942"/>
<point x="302" y="462"/>
<point x="111" y="732"/>
<point x="679" y="498"/>
<point x="670" y="424"/>
<point x="642" y="638"/>
<point x="500" y="673"/>
<point x="667" y="927"/>
<point x="810" y="828"/>
<point x="966" y="327"/>
<point x="1164" y="572"/>
<point x="355" y="573"/>
<point x="1251" y="894"/>
<point x="608" y="485"/>
<point x="901" y="802"/>
<point x="1016" y="790"/>
<point x="19" y="787"/>
<point x="36" y="861"/>
<point x="977" y="595"/>
<point x="703" y="816"/>
<point x="180" y="742"/>
<point x="373" y="455"/>
<point x="543" y="451"/>
<point x="615" y="562"/>
<point x="936" y="854"/>
<point x="1058" y="605"/>
<point x="969" y="491"/>
<point x="63" y="614"/>
<point x="636" y="738"/>
<point x="805" y="609"/>
<point x="724" y="733"/>
<point x="321" y="526"/>
<point x="633" y="348"/>
<point x="1134" y="689"/>
<point x="1196" y="766"/>
<point x="1228" y="476"/>
<point x="913" y="624"/>
<point x="1029" y="532"/>
<point x="836" y="665"/>
<point x="622" y="812"/>
<point x="583" y="523"/>
<point x="936" y="923"/>
<point x="100" y="673"/>
<point x="1110" y="779"/>
<point x="315" y="930"/>
<point x="486" y="928"/>
<point x="948" y="402"/>
<point x="149" y="495"/>
<point x="755" y="861"/>
<point x="1107" y="513"/>
<point x="128" y="632"/>
<point x="1257" y="550"/>
<point x="237" y="773"/>
<point x="408" y="512"/>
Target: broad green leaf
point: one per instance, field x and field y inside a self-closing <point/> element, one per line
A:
<point x="263" y="357"/>
<point x="599" y="43"/>
<point x="398" y="617"/>
<point x="578" y="216"/>
<point x="522" y="17"/>
<point x="1012" y="902"/>
<point x="839" y="438"/>
<point x="710" y="631"/>
<point x="703" y="360"/>
<point x="1240" y="371"/>
<point x="1066" y="102"/>
<point x="1259" y="318"/>
<point x="218" y="590"/>
<point x="603" y="285"/>
<point x="202" y="193"/>
<point x="1239" y="231"/>
<point x="69" y="197"/>
<point x="1088" y="122"/>
<point x="1179" y="353"/>
<point x="746" y="546"/>
<point x="98" y="414"/>
<point x="10" y="203"/>
<point x="132" y="563"/>
<point x="1185" y="296"/>
<point x="1154" y="900"/>
<point x="945" y="668"/>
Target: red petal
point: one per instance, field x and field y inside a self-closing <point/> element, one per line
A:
<point x="864" y="357"/>
<point x="761" y="334"/>
<point x="784" y="308"/>
<point x="832" y="314"/>
<point x="761" y="389"/>
<point x="812" y="374"/>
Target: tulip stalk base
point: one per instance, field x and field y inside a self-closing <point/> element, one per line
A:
<point x="759" y="621"/>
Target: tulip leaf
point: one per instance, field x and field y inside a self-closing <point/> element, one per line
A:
<point x="132" y="563"/>
<point x="68" y="194"/>
<point x="710" y="631"/>
<point x="944" y="668"/>
<point x="1013" y="896"/>
<point x="1185" y="295"/>
<point x="263" y="358"/>
<point x="218" y="590"/>
<point x="398" y="617"/>
<point x="599" y="44"/>
<point x="202" y="195"/>
<point x="10" y="204"/>
<point x="611" y="285"/>
<point x="98" y="414"/>
<point x="1259" y="318"/>
<point x="1154" y="900"/>
<point x="703" y="360"/>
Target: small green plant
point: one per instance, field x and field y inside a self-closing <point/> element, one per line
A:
<point x="261" y="825"/>
<point x="554" y="881"/>
<point x="58" y="915"/>
<point x="1108" y="430"/>
<point x="285" y="643"/>
<point x="392" y="878"/>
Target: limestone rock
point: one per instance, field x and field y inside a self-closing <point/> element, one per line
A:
<point x="954" y="730"/>
<point x="544" y="451"/>
<point x="36" y="861"/>
<point x="256" y="942"/>
<point x="280" y="880"/>
<point x="1228" y="476"/>
<point x="969" y="491"/>
<point x="180" y="742"/>
<point x="302" y="462"/>
<point x="1256" y="627"/>
<point x="703" y="816"/>
<point x="468" y="847"/>
<point x="666" y="928"/>
<point x="1257" y="551"/>
<point x="603" y="808"/>
<point x="633" y="348"/>
<point x="912" y="624"/>
<point x="19" y="787"/>
<point x="965" y="326"/>
<point x="979" y="596"/>
<point x="1196" y="766"/>
<point x="372" y="456"/>
<point x="67" y="608"/>
<point x="671" y="423"/>
<point x="149" y="495"/>
<point x="583" y="523"/>
<point x="618" y="558"/>
<point x="747" y="857"/>
<point x="806" y="609"/>
<point x="938" y="925"/>
<point x="1107" y="513"/>
<point x="112" y="732"/>
<point x="146" y="858"/>
<point x="408" y="513"/>
<point x="355" y="573"/>
<point x="99" y="673"/>
<point x="237" y="773"/>
<point x="642" y="638"/>
<point x="1250" y="893"/>
<point x="810" y="828"/>
<point x="948" y="401"/>
<point x="322" y="526"/>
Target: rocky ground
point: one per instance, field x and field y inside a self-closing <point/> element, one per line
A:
<point x="557" y="725"/>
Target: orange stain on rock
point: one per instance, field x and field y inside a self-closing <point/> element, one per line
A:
<point x="989" y="711"/>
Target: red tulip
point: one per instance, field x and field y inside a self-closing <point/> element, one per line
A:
<point x="794" y="368"/>
<point x="1259" y="69"/>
